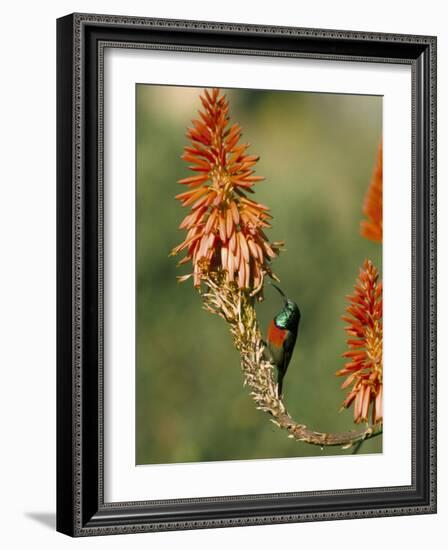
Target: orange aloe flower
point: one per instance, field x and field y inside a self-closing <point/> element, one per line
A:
<point x="225" y="228"/>
<point x="372" y="228"/>
<point x="364" y="369"/>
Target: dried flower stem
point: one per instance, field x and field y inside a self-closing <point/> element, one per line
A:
<point x="236" y="307"/>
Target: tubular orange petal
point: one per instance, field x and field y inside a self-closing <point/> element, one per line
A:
<point x="241" y="275"/>
<point x="210" y="221"/>
<point x="222" y="229"/>
<point x="235" y="214"/>
<point x="244" y="247"/>
<point x="196" y="180"/>
<point x="229" y="223"/>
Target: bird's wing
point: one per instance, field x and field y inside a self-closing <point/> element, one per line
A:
<point x="288" y="347"/>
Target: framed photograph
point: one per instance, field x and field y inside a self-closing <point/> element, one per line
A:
<point x="246" y="235"/>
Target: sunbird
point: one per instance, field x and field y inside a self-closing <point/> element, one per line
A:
<point x="282" y="336"/>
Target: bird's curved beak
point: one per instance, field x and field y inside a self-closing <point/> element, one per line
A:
<point x="281" y="292"/>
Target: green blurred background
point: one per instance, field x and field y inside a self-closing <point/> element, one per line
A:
<point x="317" y="154"/>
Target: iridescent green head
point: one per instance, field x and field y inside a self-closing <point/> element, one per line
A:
<point x="289" y="317"/>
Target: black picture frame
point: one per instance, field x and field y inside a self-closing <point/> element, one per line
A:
<point x="81" y="510"/>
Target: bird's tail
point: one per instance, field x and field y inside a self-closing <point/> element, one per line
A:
<point x="279" y="385"/>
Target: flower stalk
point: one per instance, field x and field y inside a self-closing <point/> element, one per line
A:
<point x="237" y="309"/>
<point x="364" y="366"/>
